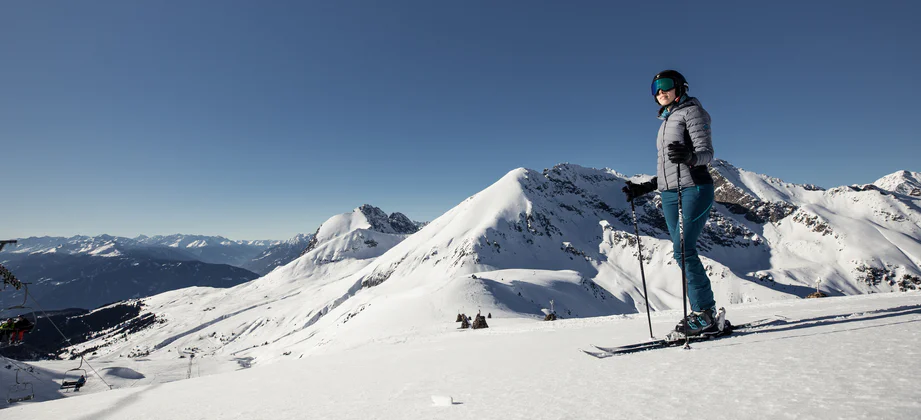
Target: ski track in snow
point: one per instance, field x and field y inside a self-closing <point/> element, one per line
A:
<point x="200" y="327"/>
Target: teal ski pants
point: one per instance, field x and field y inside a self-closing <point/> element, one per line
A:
<point x="696" y="203"/>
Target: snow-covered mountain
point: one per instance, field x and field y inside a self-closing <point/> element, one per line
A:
<point x="59" y="281"/>
<point x="566" y="235"/>
<point x="279" y="255"/>
<point x="210" y="249"/>
<point x="213" y="249"/>
<point x="562" y="237"/>
<point x="902" y="182"/>
<point x="365" y="218"/>
<point x="85" y="272"/>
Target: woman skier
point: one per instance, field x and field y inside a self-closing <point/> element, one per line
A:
<point x="684" y="147"/>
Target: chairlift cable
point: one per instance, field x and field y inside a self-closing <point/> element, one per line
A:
<point x="97" y="373"/>
<point x="20" y="367"/>
<point x="68" y="340"/>
<point x="48" y="317"/>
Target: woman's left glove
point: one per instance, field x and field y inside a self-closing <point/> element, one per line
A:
<point x="636" y="190"/>
<point x="679" y="153"/>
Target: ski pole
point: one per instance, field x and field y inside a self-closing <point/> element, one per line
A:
<point x="639" y="247"/>
<point x="684" y="279"/>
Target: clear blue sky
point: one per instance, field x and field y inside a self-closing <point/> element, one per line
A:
<point x="258" y="120"/>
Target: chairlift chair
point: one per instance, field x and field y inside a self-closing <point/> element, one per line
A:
<point x="72" y="378"/>
<point x="20" y="391"/>
<point x="25" y="312"/>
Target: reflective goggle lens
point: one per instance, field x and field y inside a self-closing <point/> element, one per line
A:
<point x="662" y="84"/>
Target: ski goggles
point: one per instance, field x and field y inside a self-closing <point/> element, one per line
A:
<point x="663" y="84"/>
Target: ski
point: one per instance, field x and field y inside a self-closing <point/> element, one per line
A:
<point x="658" y="344"/>
<point x="604" y="352"/>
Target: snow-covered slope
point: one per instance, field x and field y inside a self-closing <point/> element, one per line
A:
<point x="845" y="357"/>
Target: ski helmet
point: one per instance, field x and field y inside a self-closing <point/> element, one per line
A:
<point x="677" y="81"/>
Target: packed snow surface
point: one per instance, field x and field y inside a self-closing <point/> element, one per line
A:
<point x="841" y="357"/>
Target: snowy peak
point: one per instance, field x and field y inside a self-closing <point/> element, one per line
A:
<point x="106" y="244"/>
<point x="300" y="238"/>
<point x="574" y="178"/>
<point x="197" y="244"/>
<point x="366" y="217"/>
<point x="761" y="187"/>
<point x="902" y="182"/>
<point x="107" y="250"/>
<point x="522" y="220"/>
<point x="731" y="191"/>
<point x="359" y="244"/>
<point x="186" y="241"/>
<point x="101" y="246"/>
<point x="379" y="221"/>
<point x="402" y="225"/>
<point x="209" y="249"/>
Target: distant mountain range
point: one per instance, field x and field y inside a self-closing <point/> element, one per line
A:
<point x="278" y="254"/>
<point x="86" y="272"/>
<point x="209" y="249"/>
<point x="73" y="275"/>
<point x="564" y="235"/>
<point x="60" y="281"/>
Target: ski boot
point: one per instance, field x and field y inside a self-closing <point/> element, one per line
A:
<point x="709" y="322"/>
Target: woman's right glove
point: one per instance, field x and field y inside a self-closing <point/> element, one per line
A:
<point x="637" y="190"/>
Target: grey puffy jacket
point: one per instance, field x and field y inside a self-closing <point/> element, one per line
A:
<point x="688" y="122"/>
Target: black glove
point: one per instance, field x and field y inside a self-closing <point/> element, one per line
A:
<point x="636" y="190"/>
<point x="679" y="153"/>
